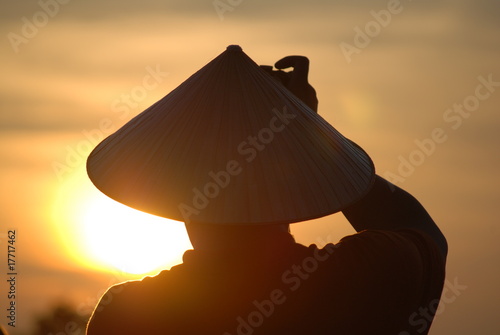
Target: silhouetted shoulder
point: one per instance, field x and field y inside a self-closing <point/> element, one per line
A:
<point x="129" y="307"/>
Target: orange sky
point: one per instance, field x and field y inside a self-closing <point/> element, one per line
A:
<point x="63" y="87"/>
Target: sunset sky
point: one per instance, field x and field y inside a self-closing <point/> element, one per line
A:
<point x="415" y="83"/>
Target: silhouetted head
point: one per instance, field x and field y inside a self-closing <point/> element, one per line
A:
<point x="234" y="237"/>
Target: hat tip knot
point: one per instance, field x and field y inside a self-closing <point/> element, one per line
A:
<point x="234" y="47"/>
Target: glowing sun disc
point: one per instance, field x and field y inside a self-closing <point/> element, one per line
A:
<point x="130" y="240"/>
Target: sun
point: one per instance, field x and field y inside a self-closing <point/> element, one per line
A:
<point x="99" y="233"/>
<point x="130" y="240"/>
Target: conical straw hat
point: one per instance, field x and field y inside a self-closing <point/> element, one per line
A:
<point x="230" y="145"/>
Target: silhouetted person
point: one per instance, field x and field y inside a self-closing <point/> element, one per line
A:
<point x="386" y="279"/>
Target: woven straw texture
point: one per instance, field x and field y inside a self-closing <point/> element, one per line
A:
<point x="230" y="145"/>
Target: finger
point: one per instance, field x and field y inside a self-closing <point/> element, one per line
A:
<point x="267" y="68"/>
<point x="300" y="66"/>
<point x="281" y="76"/>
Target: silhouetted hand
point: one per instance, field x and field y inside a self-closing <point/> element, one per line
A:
<point x="295" y="80"/>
